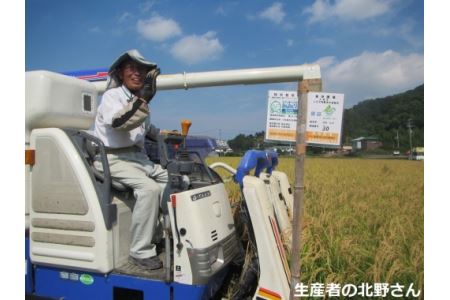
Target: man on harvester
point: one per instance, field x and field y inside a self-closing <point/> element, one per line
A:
<point x="122" y="123"/>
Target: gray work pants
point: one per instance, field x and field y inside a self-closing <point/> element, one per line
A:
<point x="149" y="182"/>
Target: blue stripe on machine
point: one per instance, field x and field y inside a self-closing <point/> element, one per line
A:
<point x="89" y="75"/>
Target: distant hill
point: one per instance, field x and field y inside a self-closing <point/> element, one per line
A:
<point x="377" y="117"/>
<point x="382" y="118"/>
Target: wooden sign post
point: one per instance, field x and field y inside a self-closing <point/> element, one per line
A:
<point x="304" y="86"/>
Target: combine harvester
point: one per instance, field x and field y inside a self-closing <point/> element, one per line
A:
<point x="77" y="219"/>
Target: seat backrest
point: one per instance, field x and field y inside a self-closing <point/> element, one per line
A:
<point x="92" y="150"/>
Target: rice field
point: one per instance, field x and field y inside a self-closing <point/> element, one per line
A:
<point x="363" y="220"/>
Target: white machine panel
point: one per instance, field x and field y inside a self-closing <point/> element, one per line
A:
<point x="212" y="238"/>
<point x="274" y="269"/>
<point x="281" y="211"/>
<point x="66" y="224"/>
<point x="286" y="191"/>
<point x="56" y="100"/>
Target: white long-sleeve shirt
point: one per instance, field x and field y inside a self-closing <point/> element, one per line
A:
<point x="122" y="119"/>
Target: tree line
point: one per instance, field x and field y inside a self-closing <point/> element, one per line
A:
<point x="384" y="118"/>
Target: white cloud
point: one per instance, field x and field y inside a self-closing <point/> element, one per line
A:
<point x="290" y="43"/>
<point x="347" y="10"/>
<point x="323" y="41"/>
<point x="95" y="29"/>
<point x="125" y="17"/>
<point x="226" y="8"/>
<point x="371" y="75"/>
<point x="220" y="10"/>
<point x="406" y="31"/>
<point x="146" y="6"/>
<point x="325" y="61"/>
<point x="274" y="13"/>
<point x="194" y="48"/>
<point x="158" y="28"/>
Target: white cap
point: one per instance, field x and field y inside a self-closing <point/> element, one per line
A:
<point x="134" y="55"/>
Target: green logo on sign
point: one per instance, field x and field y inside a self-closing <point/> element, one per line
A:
<point x="329" y="110"/>
<point x="86" y="279"/>
<point x="275" y="107"/>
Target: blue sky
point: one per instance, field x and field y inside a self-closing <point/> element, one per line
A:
<point x="366" y="48"/>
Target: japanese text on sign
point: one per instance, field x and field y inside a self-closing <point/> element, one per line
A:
<point x="282" y="111"/>
<point x="324" y="118"/>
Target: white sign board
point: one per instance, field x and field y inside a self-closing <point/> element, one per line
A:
<point x="282" y="110"/>
<point x="324" y="118"/>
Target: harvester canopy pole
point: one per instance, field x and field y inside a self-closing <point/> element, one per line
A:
<point x="231" y="77"/>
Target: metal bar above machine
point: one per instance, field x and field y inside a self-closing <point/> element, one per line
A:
<point x="232" y="77"/>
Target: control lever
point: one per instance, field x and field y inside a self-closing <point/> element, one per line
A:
<point x="185" y="125"/>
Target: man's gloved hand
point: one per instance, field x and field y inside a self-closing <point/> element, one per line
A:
<point x="149" y="89"/>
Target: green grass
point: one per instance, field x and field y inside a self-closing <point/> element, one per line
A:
<point x="363" y="219"/>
